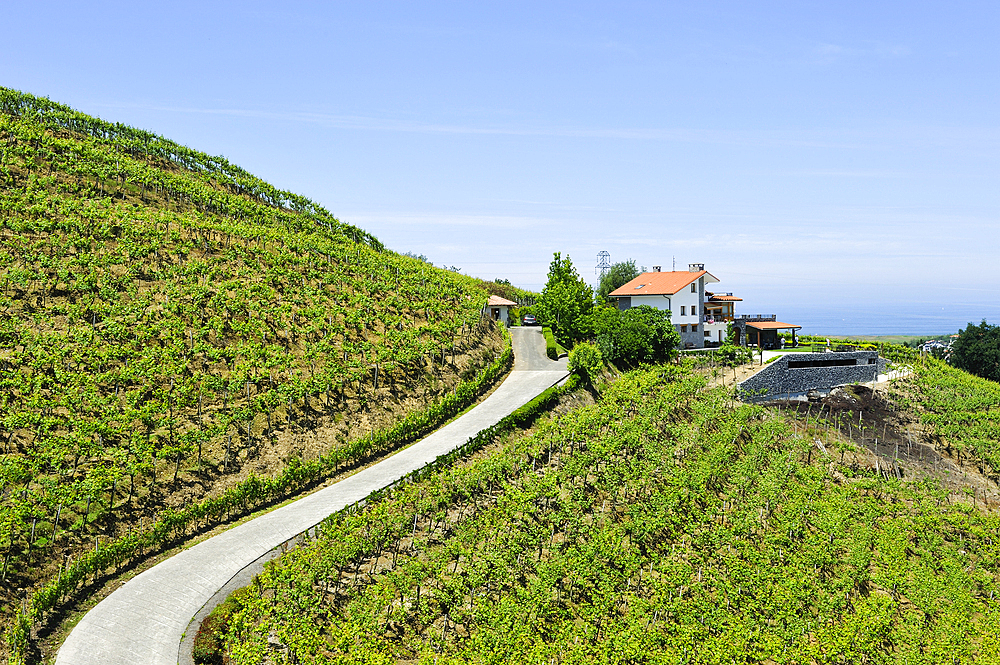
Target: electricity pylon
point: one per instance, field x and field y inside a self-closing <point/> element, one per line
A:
<point x="602" y="263"/>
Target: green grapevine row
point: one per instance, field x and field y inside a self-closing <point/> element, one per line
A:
<point x="244" y="498"/>
<point x="961" y="410"/>
<point x="665" y="524"/>
<point x="165" y="315"/>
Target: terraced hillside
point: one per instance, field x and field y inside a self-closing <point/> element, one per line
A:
<point x="961" y="411"/>
<point x="173" y="327"/>
<point x="665" y="524"/>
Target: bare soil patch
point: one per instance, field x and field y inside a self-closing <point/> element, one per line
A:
<point x="890" y="441"/>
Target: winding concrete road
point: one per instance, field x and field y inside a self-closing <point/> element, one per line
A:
<point x="142" y="623"/>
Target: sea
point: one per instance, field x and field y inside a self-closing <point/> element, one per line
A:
<point x="876" y="319"/>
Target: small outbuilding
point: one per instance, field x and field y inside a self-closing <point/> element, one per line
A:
<point x="761" y="331"/>
<point x="498" y="309"/>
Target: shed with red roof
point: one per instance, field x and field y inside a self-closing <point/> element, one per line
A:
<point x="499" y="309"/>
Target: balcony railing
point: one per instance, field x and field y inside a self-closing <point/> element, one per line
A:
<point x="757" y="317"/>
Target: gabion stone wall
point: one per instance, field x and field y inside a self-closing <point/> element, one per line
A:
<point x="801" y="372"/>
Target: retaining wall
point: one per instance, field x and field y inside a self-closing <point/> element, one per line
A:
<point x="798" y="373"/>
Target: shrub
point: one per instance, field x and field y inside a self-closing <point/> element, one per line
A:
<point x="210" y="640"/>
<point x="732" y="353"/>
<point x="585" y="359"/>
<point x="550" y="344"/>
<point x="637" y="335"/>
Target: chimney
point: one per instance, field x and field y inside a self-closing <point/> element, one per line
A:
<point x="656" y="268"/>
<point x="696" y="267"/>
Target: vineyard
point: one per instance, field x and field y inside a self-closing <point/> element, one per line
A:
<point x="666" y="523"/>
<point x="169" y="322"/>
<point x="961" y="411"/>
<point x="183" y="344"/>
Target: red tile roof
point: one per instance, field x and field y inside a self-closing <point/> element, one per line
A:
<point x="715" y="298"/>
<point x="660" y="283"/>
<point x="497" y="301"/>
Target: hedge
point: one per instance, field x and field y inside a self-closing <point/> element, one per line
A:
<point x="551" y="350"/>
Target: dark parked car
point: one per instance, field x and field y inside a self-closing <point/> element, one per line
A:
<point x="529" y="320"/>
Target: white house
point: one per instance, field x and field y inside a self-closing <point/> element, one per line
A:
<point x="719" y="311"/>
<point x="498" y="309"/>
<point x="683" y="293"/>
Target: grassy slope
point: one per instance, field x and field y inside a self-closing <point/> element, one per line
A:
<point x="665" y="524"/>
<point x="171" y="323"/>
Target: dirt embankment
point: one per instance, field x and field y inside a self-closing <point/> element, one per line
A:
<point x="889" y="441"/>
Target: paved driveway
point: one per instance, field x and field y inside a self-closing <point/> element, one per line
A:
<point x="142" y="622"/>
<point x="529" y="350"/>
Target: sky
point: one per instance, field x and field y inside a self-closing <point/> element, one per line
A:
<point x="835" y="164"/>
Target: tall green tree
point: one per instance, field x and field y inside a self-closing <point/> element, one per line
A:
<point x="977" y="350"/>
<point x="566" y="302"/>
<point x="618" y="275"/>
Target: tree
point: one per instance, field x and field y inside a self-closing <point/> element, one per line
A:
<point x="732" y="352"/>
<point x="977" y="350"/>
<point x="585" y="360"/>
<point x="566" y="302"/>
<point x="618" y="275"/>
<point x="637" y="335"/>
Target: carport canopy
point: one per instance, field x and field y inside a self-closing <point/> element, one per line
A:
<point x="773" y="325"/>
<point x="764" y="326"/>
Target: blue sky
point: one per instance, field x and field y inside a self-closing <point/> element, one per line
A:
<point x="834" y="163"/>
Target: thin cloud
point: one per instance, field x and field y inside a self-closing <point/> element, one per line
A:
<point x="877" y="138"/>
<point x="369" y="123"/>
<point x="828" y="53"/>
<point x="486" y="221"/>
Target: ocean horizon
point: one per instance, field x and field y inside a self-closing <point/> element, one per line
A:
<point x="919" y="319"/>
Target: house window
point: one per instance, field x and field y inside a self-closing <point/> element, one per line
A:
<point x="694" y="288"/>
<point x="684" y="328"/>
<point x="708" y="333"/>
<point x="694" y="310"/>
<point x="683" y="307"/>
